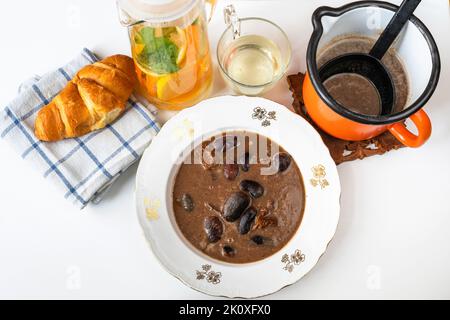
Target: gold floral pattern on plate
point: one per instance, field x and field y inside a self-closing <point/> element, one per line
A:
<point x="208" y="274"/>
<point x="152" y="208"/>
<point x="290" y="261"/>
<point x="319" y="175"/>
<point x="264" y="116"/>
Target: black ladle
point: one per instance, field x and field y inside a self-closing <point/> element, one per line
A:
<point x="369" y="65"/>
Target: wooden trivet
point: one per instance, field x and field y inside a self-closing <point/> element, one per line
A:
<point x="342" y="150"/>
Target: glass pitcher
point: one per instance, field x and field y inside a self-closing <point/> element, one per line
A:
<point x="170" y="48"/>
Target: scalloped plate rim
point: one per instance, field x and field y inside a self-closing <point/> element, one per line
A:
<point x="201" y="287"/>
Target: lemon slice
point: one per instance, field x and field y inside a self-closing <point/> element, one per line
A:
<point x="138" y="42"/>
<point x="175" y="85"/>
<point x="138" y="48"/>
<point x="147" y="70"/>
<point x="179" y="39"/>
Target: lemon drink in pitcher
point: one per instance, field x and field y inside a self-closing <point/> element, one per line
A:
<point x="170" y="48"/>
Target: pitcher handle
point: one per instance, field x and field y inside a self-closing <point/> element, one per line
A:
<point x="212" y="6"/>
<point x="409" y="139"/>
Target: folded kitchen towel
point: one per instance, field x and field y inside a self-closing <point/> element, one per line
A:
<point x="82" y="168"/>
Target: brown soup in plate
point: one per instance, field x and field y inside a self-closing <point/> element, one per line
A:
<point x="238" y="197"/>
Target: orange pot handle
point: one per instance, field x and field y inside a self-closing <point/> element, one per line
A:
<point x="409" y="139"/>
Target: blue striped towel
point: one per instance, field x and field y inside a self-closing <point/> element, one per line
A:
<point x="83" y="168"/>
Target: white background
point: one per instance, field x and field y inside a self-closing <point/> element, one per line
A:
<point x="393" y="239"/>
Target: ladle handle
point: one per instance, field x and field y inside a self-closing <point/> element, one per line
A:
<point x="394" y="27"/>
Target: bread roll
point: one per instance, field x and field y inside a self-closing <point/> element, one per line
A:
<point x="95" y="97"/>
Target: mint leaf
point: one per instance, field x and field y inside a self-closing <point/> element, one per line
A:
<point x="147" y="35"/>
<point x="159" y="53"/>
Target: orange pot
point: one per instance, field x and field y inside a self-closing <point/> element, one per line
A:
<point x="338" y="121"/>
<point x="341" y="127"/>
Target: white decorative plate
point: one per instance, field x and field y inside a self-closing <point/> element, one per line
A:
<point x="156" y="175"/>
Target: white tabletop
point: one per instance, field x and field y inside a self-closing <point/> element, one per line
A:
<point x="393" y="239"/>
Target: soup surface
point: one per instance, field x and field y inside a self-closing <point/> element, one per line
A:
<point x="238" y="197"/>
<point x="355" y="92"/>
